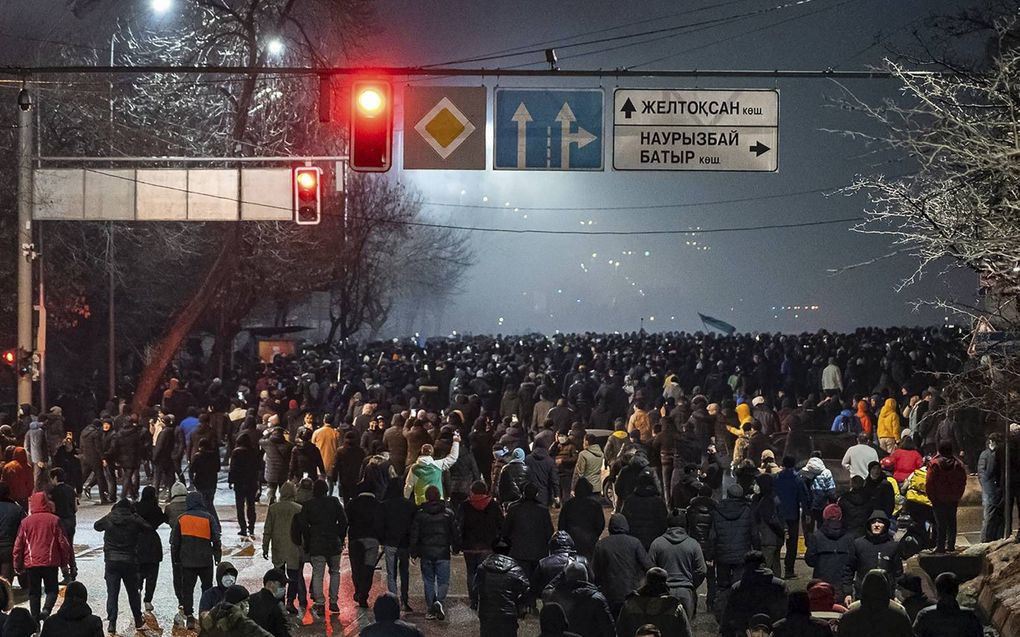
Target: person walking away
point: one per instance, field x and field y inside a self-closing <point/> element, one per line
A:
<point x="17" y="473"/>
<point x="583" y="518"/>
<point x="205" y="470"/>
<point x="327" y="439"/>
<point x="990" y="467"/>
<point x="243" y="478"/>
<point x="387" y="620"/>
<point x="889" y="426"/>
<point x="92" y="461"/>
<point x="323" y="524"/>
<point x="65" y="507"/>
<point x="681" y="557"/>
<point x="513" y="477"/>
<point x="645" y="510"/>
<point x="859" y="456"/>
<point x="947" y="480"/>
<point x="428" y="472"/>
<point x="502" y="587"/>
<point x="150" y="546"/>
<point x="230" y="618"/>
<point x="652" y="604"/>
<point x="798" y="621"/>
<point x="363" y="535"/>
<point x="433" y="535"/>
<point x="528" y="526"/>
<point x="347" y="463"/>
<point x="561" y="554"/>
<point x="732" y="535"/>
<point x="947" y="618"/>
<point x="265" y="607"/>
<point x="589" y="464"/>
<point x="167" y="448"/>
<point x="828" y="550"/>
<point x="122" y="529"/>
<point x="552" y="621"/>
<point x="11" y="515"/>
<point x="286" y="553"/>
<point x="38" y="455"/>
<point x="771" y="531"/>
<point x="875" y="551"/>
<point x="126" y="451"/>
<point x="876" y="614"/>
<point x="397" y="514"/>
<point x="793" y="500"/>
<point x="195" y="545"/>
<point x="542" y="474"/>
<point x="173" y="510"/>
<point x="856" y="505"/>
<point x="226" y="576"/>
<point x="757" y="591"/>
<point x="74" y="618"/>
<point x="586" y="608"/>
<point x="481" y="521"/>
<point x="66" y="458"/>
<point x="276" y="450"/>
<point x="619" y="563"/>
<point x="912" y="597"/>
<point x="40" y="549"/>
<point x="906" y="459"/>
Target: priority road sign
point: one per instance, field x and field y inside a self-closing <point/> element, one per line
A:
<point x="548" y="129"/>
<point x="707" y="129"/>
<point x="444" y="127"/>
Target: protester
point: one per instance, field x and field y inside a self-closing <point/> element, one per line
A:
<point x="912" y="596"/>
<point x="859" y="456"/>
<point x="74" y="618"/>
<point x="323" y="525"/>
<point x="122" y="530"/>
<point x="387" y="620"/>
<point x="553" y="622"/>
<point x="586" y="608"/>
<point x="798" y="621"/>
<point x="583" y="518"/>
<point x="243" y="478"/>
<point x="946" y="482"/>
<point x="651" y="604"/>
<point x="828" y="549"/>
<point x="732" y="535"/>
<point x="990" y="469"/>
<point x="502" y="587"/>
<point x="65" y="507"/>
<point x="230" y="618"/>
<point x="876" y="614"/>
<point x="481" y="521"/>
<point x="757" y="591"/>
<point x="645" y="511"/>
<point x="561" y="555"/>
<point x="286" y="553"/>
<point x="40" y="550"/>
<point x="619" y="562"/>
<point x="265" y="607"/>
<point x="11" y="515"/>
<point x="877" y="550"/>
<point x="427" y="472"/>
<point x="397" y="515"/>
<point x="947" y="618"/>
<point x="528" y="527"/>
<point x="195" y="545"/>
<point x="150" y="546"/>
<point x="226" y="576"/>
<point x="681" y="557"/>
<point x="434" y="535"/>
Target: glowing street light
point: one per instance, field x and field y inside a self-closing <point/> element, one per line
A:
<point x="275" y="47"/>
<point x="161" y="6"/>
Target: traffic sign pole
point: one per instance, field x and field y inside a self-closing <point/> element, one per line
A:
<point x="25" y="249"/>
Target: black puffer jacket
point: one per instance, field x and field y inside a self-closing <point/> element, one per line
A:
<point x="542" y="474"/>
<point x="121" y="528"/>
<point x="646" y="513"/>
<point x="481" y="520"/>
<point x="870" y="552"/>
<point x="758" y="591"/>
<point x="733" y="533"/>
<point x="561" y="554"/>
<point x="397" y="514"/>
<point x="434" y="532"/>
<point x="856" y="507"/>
<point x="11" y="515"/>
<point x="512" y="478"/>
<point x="699" y="522"/>
<point x="828" y="550"/>
<point x="619" y="562"/>
<point x="502" y="585"/>
<point x="583" y="518"/>
<point x="586" y="608"/>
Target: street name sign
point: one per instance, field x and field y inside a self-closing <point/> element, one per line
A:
<point x="548" y="129"/>
<point x="703" y="129"/>
<point x="444" y="127"/>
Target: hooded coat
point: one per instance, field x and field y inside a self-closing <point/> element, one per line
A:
<point x="41" y="540"/>
<point x="828" y="551"/>
<point x="397" y="513"/>
<point x="277" y="456"/>
<point x="434" y="532"/>
<point x="665" y="612"/>
<point x="480" y="522"/>
<point x="699" y="522"/>
<point x="589" y="466"/>
<point x="948" y="619"/>
<point x="195" y="536"/>
<point x="856" y="506"/>
<point x="323" y="524"/>
<point x="35" y="443"/>
<point x="875" y="615"/>
<point x="646" y="513"/>
<point x="276" y="534"/>
<point x="889" y="420"/>
<point x="214" y="595"/>
<point x="872" y="552"/>
<point x="512" y="478"/>
<point x="542" y="474"/>
<point x="947" y="480"/>
<point x="122" y="529"/>
<point x="583" y="518"/>
<point x="681" y="557"/>
<point x="758" y="591"/>
<point x="388" y="622"/>
<point x="150" y="546"/>
<point x="18" y="475"/>
<point x="562" y="554"/>
<point x="501" y="585"/>
<point x="74" y="618"/>
<point x="528" y="526"/>
<point x="733" y="531"/>
<point x="586" y="608"/>
<point x="177" y="505"/>
<point x="619" y="561"/>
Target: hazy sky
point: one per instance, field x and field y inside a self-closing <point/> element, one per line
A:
<point x="571" y="283"/>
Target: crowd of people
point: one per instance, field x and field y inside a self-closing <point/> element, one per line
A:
<point x="597" y="481"/>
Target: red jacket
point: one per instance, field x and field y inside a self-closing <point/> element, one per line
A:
<point x="906" y="462"/>
<point x="41" y="541"/>
<point x="947" y="479"/>
<point x="18" y="475"/>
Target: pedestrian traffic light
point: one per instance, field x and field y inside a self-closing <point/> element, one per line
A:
<point x="307" y="195"/>
<point x="10" y="357"/>
<point x="371" y="126"/>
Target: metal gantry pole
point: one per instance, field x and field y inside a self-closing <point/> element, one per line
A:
<point x="25" y="249"/>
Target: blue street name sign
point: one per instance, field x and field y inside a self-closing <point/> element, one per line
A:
<point x="548" y="129"/>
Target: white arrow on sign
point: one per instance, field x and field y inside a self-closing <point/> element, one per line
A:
<point x="522" y="117"/>
<point x="582" y="137"/>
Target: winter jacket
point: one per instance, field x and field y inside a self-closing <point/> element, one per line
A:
<point x="542" y="474"/>
<point x="177" y="505"/>
<point x="681" y="557"/>
<point x="228" y="620"/>
<point x="947" y="619"/>
<point x="589" y="466"/>
<point x="277" y="456"/>
<point x="150" y="546"/>
<point x="128" y="447"/>
<point x="266" y="611"/>
<point x="617" y="441"/>
<point x="586" y="608"/>
<point x="243" y="473"/>
<point x="396" y="444"/>
<point x="583" y="518"/>
<point x="480" y="522"/>
<point x="889" y="420"/>
<point x="11" y="515"/>
<point x="875" y="615"/>
<point x="529" y="527"/>
<point x="757" y="591"/>
<point x="733" y="532"/>
<point x="327" y="440"/>
<point x="947" y="480"/>
<point x="561" y="554"/>
<point x="41" y="541"/>
<point x="397" y="513"/>
<point x="665" y="612"/>
<point x="428" y="472"/>
<point x="215" y="594"/>
<point x="501" y="585"/>
<point x="122" y="528"/>
<point x="363" y="516"/>
<point x="305" y="460"/>
<point x="646" y="514"/>
<point x="347" y="463"/>
<point x="35" y="443"/>
<point x="905" y="462"/>
<point x="801" y="625"/>
<point x="828" y="550"/>
<point x="512" y="478"/>
<point x="168" y="448"/>
<point x="91" y="447"/>
<point x="699" y="522"/>
<point x="434" y="532"/>
<point x="792" y="493"/>
<point x="18" y="475"/>
<point x="620" y="561"/>
<point x="871" y="552"/>
<point x="276" y="534"/>
<point x="323" y="524"/>
<point x="195" y="535"/>
<point x="204" y="469"/>
<point x="856" y="507"/>
<point x="74" y="618"/>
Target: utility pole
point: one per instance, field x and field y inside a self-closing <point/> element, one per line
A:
<point x="25" y="249"/>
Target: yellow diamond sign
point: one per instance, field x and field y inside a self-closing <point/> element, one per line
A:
<point x="444" y="128"/>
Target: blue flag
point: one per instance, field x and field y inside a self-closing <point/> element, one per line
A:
<point x="715" y="323"/>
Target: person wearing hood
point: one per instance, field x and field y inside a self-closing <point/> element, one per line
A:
<point x="877" y="550"/>
<point x="347" y="464"/>
<point x="122" y="531"/>
<point x="226" y="576"/>
<point x="793" y="499"/>
<point x="40" y="549"/>
<point x="286" y="554"/>
<point x="92" y="461"/>
<point x="397" y="516"/>
<point x="561" y="554"/>
<point x="846" y="422"/>
<point x="633" y="464"/>
<point x="323" y="527"/>
<point x="616" y="442"/>
<point x="11" y="515"/>
<point x="542" y="474"/>
<point x="38" y="455"/>
<point x="589" y="464"/>
<point x="583" y="518"/>
<point x="564" y="453"/>
<point x="889" y="425"/>
<point x="828" y="549"/>
<point x="305" y="459"/>
<point x="502" y="587"/>
<point x="681" y="557"/>
<point x="65" y="507"/>
<point x="434" y="535"/>
<point x="276" y="449"/>
<point x="876" y="614"/>
<point x="513" y="477"/>
<point x="821" y="487"/>
<point x="912" y="596"/>
<point x="243" y="478"/>
<point x="20" y="623"/>
<point x="946" y="482"/>
<point x="174" y="509"/>
<point x="771" y="530"/>
<point x="363" y="536"/>
<point x="619" y="562"/>
<point x="822" y="598"/>
<point x="645" y="511"/>
<point x="266" y="606"/>
<point x="856" y="506"/>
<point x="528" y="526"/>
<point x="947" y="618"/>
<point x="150" y="546"/>
<point x="66" y="459"/>
<point x="653" y="604"/>
<point x="127" y="449"/>
<point x="906" y="459"/>
<point x="757" y="591"/>
<point x="798" y="621"/>
<point x="481" y="521"/>
<point x="386" y="612"/>
<point x="17" y="473"/>
<point x="74" y="618"/>
<point x="428" y="472"/>
<point x="195" y="545"/>
<point x="879" y="489"/>
<point x="230" y="618"/>
<point x="553" y="622"/>
<point x="204" y="470"/>
<point x="732" y="535"/>
<point x="586" y="608"/>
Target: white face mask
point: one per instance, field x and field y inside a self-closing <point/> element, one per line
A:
<point x="228" y="581"/>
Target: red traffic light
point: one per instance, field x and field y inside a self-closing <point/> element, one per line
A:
<point x="307" y="195"/>
<point x="10" y="357"/>
<point x="371" y="126"/>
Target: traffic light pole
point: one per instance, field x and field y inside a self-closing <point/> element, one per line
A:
<point x="25" y="249"/>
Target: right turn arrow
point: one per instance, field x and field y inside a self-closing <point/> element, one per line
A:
<point x="759" y="149"/>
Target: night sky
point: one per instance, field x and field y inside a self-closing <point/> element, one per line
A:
<point x="570" y="283"/>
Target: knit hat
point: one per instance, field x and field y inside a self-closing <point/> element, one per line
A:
<point x="235" y="594"/>
<point x="911" y="583"/>
<point x="656" y="575"/>
<point x="518" y="454"/>
<point x="832" y="512"/>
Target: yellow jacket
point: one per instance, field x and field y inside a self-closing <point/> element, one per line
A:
<point x="917" y="487"/>
<point x="889" y="420"/>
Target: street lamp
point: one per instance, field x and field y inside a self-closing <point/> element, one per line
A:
<point x="161" y="6"/>
<point x="275" y="47"/>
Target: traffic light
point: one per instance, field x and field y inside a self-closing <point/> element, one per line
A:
<point x="25" y="365"/>
<point x="307" y="195"/>
<point x="371" y="126"/>
<point x="10" y="357"/>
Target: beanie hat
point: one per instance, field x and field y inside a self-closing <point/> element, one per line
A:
<point x="656" y="575"/>
<point x="235" y="594"/>
<point x="518" y="454"/>
<point x="832" y="512"/>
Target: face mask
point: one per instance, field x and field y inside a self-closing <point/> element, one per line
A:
<point x="228" y="581"/>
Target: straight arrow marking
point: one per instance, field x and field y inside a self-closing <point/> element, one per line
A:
<point x="522" y="117"/>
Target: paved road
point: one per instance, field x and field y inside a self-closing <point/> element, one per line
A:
<point x="247" y="558"/>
